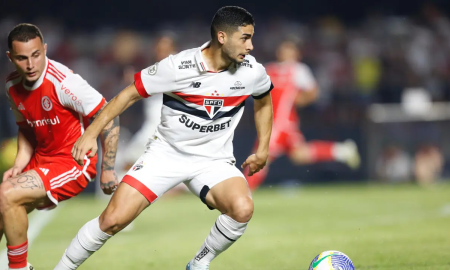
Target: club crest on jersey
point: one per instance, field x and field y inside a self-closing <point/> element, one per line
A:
<point x="212" y="106"/>
<point x="138" y="166"/>
<point x="46" y="103"/>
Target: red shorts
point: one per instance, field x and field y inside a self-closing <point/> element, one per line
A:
<point x="62" y="178"/>
<point x="284" y="139"/>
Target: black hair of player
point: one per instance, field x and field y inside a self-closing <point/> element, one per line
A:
<point x="24" y="32"/>
<point x="229" y="18"/>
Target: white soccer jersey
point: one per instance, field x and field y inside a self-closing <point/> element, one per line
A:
<point x="201" y="109"/>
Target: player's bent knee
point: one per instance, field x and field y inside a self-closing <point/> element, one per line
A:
<point x="242" y="209"/>
<point x="110" y="223"/>
<point x="7" y="196"/>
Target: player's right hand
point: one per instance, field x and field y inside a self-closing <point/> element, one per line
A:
<point x="255" y="163"/>
<point x="82" y="146"/>
<point x="11" y="173"/>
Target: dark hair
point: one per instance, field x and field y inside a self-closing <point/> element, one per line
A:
<point x="24" y="32"/>
<point x="229" y="18"/>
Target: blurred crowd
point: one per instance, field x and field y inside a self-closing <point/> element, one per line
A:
<point x="355" y="65"/>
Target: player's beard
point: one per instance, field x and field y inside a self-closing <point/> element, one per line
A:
<point x="231" y="54"/>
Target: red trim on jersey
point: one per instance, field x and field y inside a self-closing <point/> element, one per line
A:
<point x="96" y="109"/>
<point x="198" y="99"/>
<point x="57" y="71"/>
<point x="55" y="74"/>
<point x="139" y="85"/>
<point x="139" y="186"/>
<point x="51" y="72"/>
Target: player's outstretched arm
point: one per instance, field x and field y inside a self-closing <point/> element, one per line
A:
<point x="263" y="121"/>
<point x="25" y="150"/>
<point x="305" y="98"/>
<point x="88" y="141"/>
<point x="109" y="138"/>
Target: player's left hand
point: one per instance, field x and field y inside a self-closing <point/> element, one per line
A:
<point x="109" y="181"/>
<point x="255" y="162"/>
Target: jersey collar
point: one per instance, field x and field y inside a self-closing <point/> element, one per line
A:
<point x="201" y="63"/>
<point x="39" y="81"/>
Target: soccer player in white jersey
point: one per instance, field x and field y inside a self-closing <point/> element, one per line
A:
<point x="204" y="90"/>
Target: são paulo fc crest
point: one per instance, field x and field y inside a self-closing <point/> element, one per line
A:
<point x="46" y="103"/>
<point x="138" y="166"/>
<point x="212" y="106"/>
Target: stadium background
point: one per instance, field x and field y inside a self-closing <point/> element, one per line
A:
<point x="363" y="54"/>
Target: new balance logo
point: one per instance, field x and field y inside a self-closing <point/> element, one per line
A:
<point x="21" y="107"/>
<point x="45" y="171"/>
<point x="196" y="84"/>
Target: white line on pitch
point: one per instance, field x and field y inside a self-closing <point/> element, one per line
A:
<point x="37" y="220"/>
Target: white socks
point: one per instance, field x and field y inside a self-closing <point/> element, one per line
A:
<point x="222" y="235"/>
<point x="341" y="151"/>
<point x="88" y="240"/>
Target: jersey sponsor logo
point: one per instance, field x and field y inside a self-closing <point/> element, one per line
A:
<point x="45" y="171"/>
<point x="246" y="63"/>
<point x="152" y="69"/>
<point x="237" y="86"/>
<point x="46" y="103"/>
<point x="21" y="107"/>
<point x="196" y="84"/>
<point x="71" y="95"/>
<point x="43" y="122"/>
<point x="212" y="106"/>
<point x="203" y="129"/>
<point x="187" y="64"/>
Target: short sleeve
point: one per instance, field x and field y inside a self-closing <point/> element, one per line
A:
<point x="157" y="78"/>
<point x="304" y="79"/>
<point x="17" y="115"/>
<point x="262" y="85"/>
<point x="78" y="95"/>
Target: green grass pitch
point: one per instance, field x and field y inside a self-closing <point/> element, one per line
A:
<point x="379" y="227"/>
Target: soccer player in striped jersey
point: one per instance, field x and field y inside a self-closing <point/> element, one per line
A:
<point x="52" y="107"/>
<point x="204" y="91"/>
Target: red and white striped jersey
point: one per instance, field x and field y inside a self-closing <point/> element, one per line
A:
<point x="57" y="108"/>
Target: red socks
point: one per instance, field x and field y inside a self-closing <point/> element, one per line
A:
<point x="17" y="255"/>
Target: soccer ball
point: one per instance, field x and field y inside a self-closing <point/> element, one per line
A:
<point x="331" y="260"/>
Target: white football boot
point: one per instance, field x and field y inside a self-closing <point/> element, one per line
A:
<point x="353" y="159"/>
<point x="192" y="266"/>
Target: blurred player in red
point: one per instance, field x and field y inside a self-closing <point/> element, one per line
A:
<point x="295" y="86"/>
<point x="52" y="107"/>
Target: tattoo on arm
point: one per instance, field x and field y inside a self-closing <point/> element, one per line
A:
<point x="109" y="138"/>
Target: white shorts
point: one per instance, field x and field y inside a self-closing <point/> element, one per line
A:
<point x="162" y="167"/>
